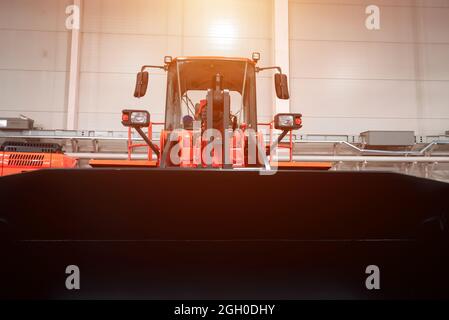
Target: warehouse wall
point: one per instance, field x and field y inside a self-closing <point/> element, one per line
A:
<point x="33" y="60"/>
<point x="344" y="78"/>
<point x="347" y="79"/>
<point x="121" y="35"/>
<point x="118" y="36"/>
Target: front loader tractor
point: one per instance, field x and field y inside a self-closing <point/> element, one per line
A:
<point x="208" y="216"/>
<point x="210" y="116"/>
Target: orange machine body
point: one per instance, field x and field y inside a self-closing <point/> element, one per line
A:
<point x="20" y="162"/>
<point x="191" y="152"/>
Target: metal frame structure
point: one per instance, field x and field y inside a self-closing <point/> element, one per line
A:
<point x="132" y="146"/>
<point x="290" y="145"/>
<point x="72" y="137"/>
<point x="429" y="157"/>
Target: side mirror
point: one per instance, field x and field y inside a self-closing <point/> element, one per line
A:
<point x="281" y="84"/>
<point x="141" y="84"/>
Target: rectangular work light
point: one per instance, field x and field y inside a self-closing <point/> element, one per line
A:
<point x="135" y="118"/>
<point x="288" y="121"/>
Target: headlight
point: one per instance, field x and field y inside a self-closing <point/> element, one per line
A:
<point x="135" y="118"/>
<point x="139" y="118"/>
<point x="285" y="121"/>
<point x="288" y="121"/>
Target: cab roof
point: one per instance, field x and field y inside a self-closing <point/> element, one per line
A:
<point x="213" y="58"/>
<point x="197" y="73"/>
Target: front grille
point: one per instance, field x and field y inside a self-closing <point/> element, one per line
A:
<point x="26" y="160"/>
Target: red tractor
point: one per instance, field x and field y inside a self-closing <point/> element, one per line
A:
<point x="210" y="117"/>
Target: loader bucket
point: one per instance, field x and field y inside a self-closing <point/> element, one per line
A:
<point x="152" y="233"/>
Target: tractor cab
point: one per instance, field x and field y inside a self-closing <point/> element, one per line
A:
<point x="218" y="93"/>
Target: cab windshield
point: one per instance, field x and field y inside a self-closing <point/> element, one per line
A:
<point x="188" y="81"/>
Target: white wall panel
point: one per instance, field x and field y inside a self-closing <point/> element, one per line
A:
<point x="42" y="15"/>
<point x="354" y="80"/>
<point x="334" y="21"/>
<point x="128" y="17"/>
<point x="355" y="98"/>
<point x="345" y="79"/>
<point x="123" y="53"/>
<point x="435" y="25"/>
<point x="362" y="60"/>
<point x="435" y="96"/>
<point x="120" y="36"/>
<point x="100" y="121"/>
<point x="231" y="18"/>
<point x="339" y="22"/>
<point x="33" y="60"/>
<point x="36" y="91"/>
<point x="105" y="93"/>
<point x="265" y="85"/>
<point x="434" y="61"/>
<point x="33" y="50"/>
<point x="391" y="3"/>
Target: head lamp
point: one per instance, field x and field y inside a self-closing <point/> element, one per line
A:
<point x="288" y="121"/>
<point x="135" y="118"/>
